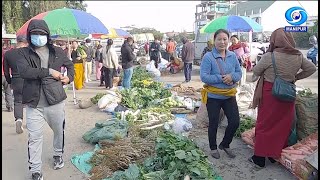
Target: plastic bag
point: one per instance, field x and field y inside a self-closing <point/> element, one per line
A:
<point x="111" y="107"/>
<point x="152" y="69"/>
<point x="181" y="126"/>
<point x="188" y="102"/>
<point x="202" y="115"/>
<point x="108" y="99"/>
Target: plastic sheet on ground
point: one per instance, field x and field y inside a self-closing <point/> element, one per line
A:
<point x="112" y="129"/>
<point x="81" y="161"/>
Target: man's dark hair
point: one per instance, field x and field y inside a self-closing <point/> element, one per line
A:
<point x="170" y="39"/>
<point x="220" y="31"/>
<point x="129" y="39"/>
<point x="88" y="40"/>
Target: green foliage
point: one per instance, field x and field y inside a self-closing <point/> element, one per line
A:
<point x="245" y="124"/>
<point x="177" y="156"/>
<point x="16" y="13"/>
<point x="155" y="32"/>
<point x="302" y="39"/>
<point x="97" y="97"/>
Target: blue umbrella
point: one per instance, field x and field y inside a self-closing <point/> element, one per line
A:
<point x="232" y="24"/>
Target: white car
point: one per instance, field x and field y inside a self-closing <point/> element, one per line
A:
<point x="117" y="48"/>
<point x="255" y="50"/>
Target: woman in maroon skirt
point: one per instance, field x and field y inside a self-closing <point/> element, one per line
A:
<point x="275" y="116"/>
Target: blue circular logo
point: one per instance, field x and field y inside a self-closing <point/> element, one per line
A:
<point x="296" y="16"/>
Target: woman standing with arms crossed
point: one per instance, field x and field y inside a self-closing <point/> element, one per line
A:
<point x="220" y="71"/>
<point x="275" y="116"/>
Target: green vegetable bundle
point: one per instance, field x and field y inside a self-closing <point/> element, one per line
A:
<point x="177" y="156"/>
<point x="245" y="124"/>
<point x="140" y="73"/>
<point x="97" y="97"/>
<point x="138" y="98"/>
<point x="305" y="93"/>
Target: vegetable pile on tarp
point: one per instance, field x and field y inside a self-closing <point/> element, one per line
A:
<point x="113" y="129"/>
<point x="176" y="157"/>
<point x="118" y="155"/>
<point x="147" y="119"/>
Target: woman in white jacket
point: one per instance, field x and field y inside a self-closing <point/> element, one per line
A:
<point x="110" y="63"/>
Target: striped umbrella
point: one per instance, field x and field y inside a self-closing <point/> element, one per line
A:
<point x="113" y="33"/>
<point x="232" y="24"/>
<point x="68" y="23"/>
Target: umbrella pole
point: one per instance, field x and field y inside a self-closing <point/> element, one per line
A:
<point x="73" y="88"/>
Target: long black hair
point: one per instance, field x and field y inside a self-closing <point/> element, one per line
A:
<point x="109" y="44"/>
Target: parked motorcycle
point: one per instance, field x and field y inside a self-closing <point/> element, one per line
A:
<point x="313" y="52"/>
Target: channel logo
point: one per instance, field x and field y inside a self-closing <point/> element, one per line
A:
<point x="296" y="16"/>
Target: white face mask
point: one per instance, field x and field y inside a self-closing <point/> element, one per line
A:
<point x="39" y="40"/>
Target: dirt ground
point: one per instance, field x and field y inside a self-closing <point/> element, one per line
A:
<point x="78" y="121"/>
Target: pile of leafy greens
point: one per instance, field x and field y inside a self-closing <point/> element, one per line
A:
<point x="176" y="157"/>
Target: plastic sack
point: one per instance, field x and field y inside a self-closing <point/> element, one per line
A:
<point x="181" y="126"/>
<point x="249" y="136"/>
<point x="307" y="114"/>
<point x="202" y="115"/>
<point x="203" y="118"/>
<point x="84" y="104"/>
<point x="294" y="157"/>
<point x="108" y="99"/>
<point x="112" y="129"/>
<point x="152" y="69"/>
<point x="111" y="107"/>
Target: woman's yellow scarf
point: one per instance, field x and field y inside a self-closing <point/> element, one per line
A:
<point x="210" y="89"/>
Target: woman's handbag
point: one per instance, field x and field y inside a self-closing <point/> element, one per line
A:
<point x="116" y="70"/>
<point x="283" y="90"/>
<point x="53" y="90"/>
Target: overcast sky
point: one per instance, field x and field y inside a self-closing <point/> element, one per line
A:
<point x="165" y="16"/>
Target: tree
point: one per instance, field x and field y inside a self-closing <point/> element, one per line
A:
<point x="76" y="5"/>
<point x="156" y="34"/>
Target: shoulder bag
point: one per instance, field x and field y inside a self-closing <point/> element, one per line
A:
<point x="53" y="90"/>
<point x="282" y="89"/>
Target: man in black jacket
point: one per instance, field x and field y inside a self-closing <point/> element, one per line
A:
<point x="16" y="82"/>
<point x="127" y="62"/>
<point x="36" y="63"/>
<point x="155" y="52"/>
